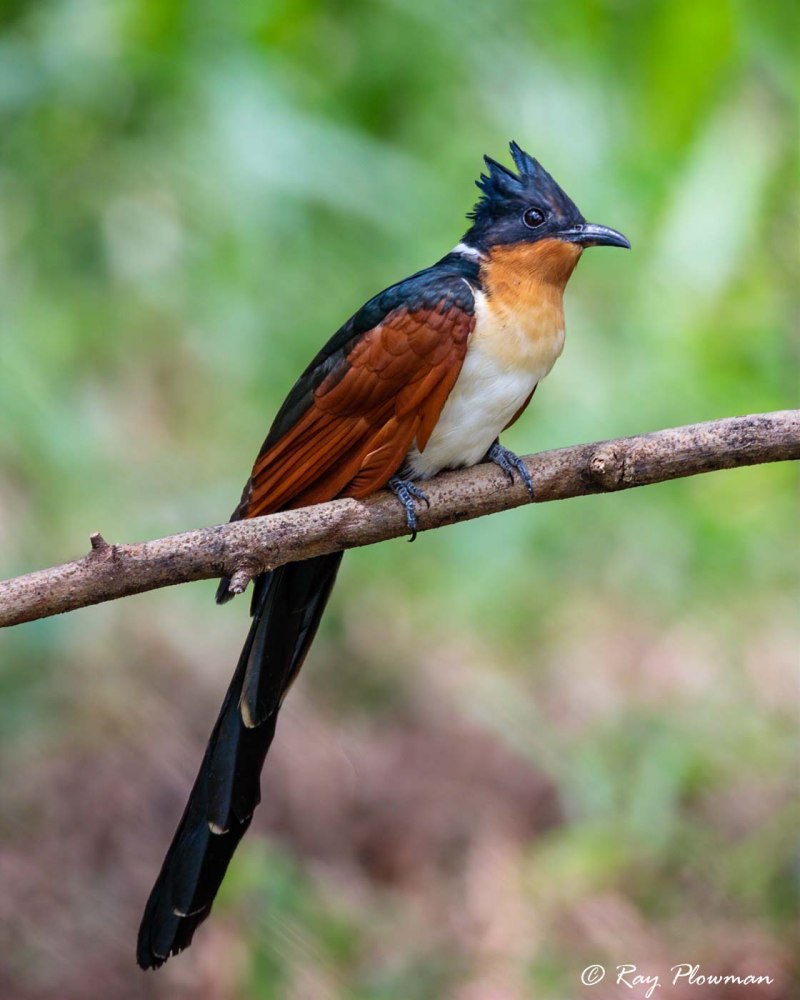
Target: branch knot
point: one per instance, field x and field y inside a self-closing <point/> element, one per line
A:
<point x="100" y="547"/>
<point x="607" y="467"/>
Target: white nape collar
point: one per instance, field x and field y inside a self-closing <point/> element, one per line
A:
<point x="465" y="250"/>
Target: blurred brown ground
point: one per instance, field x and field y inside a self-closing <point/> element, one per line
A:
<point x="416" y="821"/>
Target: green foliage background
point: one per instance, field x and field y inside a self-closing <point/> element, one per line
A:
<point x="193" y="196"/>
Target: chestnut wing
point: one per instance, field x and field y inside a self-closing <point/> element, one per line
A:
<point x="351" y="419"/>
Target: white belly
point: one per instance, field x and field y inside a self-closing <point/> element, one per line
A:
<point x="490" y="388"/>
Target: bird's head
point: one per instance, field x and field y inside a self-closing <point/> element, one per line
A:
<point x="529" y="207"/>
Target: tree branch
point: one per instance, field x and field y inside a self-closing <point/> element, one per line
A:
<point x="245" y="548"/>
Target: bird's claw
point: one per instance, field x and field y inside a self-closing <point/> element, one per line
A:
<point x="510" y="463"/>
<point x="408" y="494"/>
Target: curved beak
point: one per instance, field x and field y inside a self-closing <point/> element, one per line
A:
<point x="589" y="235"/>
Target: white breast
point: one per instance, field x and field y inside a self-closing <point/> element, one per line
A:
<point x="495" y="380"/>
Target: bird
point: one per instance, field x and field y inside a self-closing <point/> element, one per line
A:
<point x="424" y="377"/>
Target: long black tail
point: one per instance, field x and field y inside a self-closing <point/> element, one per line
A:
<point x="286" y="609"/>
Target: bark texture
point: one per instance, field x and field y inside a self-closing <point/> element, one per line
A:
<point x="245" y="548"/>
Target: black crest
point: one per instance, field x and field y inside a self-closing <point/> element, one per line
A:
<point x="503" y="191"/>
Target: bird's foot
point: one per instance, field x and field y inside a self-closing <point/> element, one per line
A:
<point x="408" y="494"/>
<point x="510" y="463"/>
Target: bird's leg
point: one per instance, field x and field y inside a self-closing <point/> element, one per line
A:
<point x="407" y="493"/>
<point x="510" y="463"/>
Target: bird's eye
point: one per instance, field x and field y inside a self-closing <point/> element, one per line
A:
<point x="533" y="217"/>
